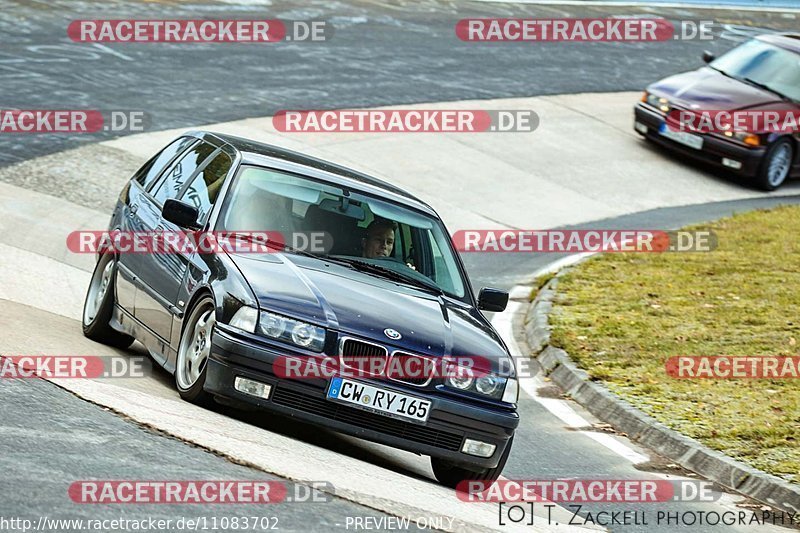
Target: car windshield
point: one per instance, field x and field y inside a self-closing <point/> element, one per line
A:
<point x="362" y="232"/>
<point x="765" y="64"/>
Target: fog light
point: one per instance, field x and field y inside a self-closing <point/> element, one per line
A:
<point x="253" y="388"/>
<point x="476" y="447"/>
<point x="641" y="128"/>
<point x="731" y="163"/>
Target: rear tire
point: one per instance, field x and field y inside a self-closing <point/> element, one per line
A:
<point x="99" y="306"/>
<point x="776" y="165"/>
<point x="451" y="475"/>
<point x="193" y="351"/>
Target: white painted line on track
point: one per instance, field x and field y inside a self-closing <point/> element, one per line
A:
<point x="561" y="409"/>
<point x="617" y="446"/>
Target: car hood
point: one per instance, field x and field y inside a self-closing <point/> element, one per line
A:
<point x="358" y="304"/>
<point x="707" y="89"/>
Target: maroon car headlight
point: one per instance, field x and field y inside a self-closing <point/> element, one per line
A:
<point x="659" y="102"/>
<point x="750" y="139"/>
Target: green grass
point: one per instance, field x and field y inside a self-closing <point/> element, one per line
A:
<point x="540" y="282"/>
<point x="620" y="316"/>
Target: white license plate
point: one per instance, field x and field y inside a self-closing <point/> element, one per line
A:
<point x="686" y="139"/>
<point x="378" y="400"/>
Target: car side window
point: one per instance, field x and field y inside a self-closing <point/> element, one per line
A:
<point x="152" y="169"/>
<point x="179" y="173"/>
<point x="205" y="187"/>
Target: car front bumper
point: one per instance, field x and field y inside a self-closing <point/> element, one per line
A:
<point x="716" y="151"/>
<point x="442" y="436"/>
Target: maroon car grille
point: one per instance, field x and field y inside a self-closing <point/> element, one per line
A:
<point x="363" y="356"/>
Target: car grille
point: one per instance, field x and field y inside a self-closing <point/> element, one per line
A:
<point x="388" y="426"/>
<point x="363" y="356"/>
<point x="397" y="371"/>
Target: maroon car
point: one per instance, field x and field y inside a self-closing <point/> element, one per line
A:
<point x="761" y="74"/>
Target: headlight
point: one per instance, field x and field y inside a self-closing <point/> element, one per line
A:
<point x="245" y="319"/>
<point x="656" y="101"/>
<point x="305" y="335"/>
<point x="272" y="325"/>
<point x="292" y="331"/>
<point x="460" y="378"/>
<point x="750" y="139"/>
<point x="485" y="384"/>
<point x="488" y="384"/>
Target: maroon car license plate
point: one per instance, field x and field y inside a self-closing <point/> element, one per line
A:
<point x="682" y="137"/>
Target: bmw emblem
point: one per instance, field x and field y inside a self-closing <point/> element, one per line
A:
<point x="392" y="334"/>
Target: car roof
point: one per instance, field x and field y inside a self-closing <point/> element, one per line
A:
<point x="788" y="41"/>
<point x="257" y="153"/>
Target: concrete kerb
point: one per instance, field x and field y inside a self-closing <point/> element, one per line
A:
<point x="602" y="403"/>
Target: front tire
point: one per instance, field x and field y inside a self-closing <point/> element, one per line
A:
<point x="193" y="352"/>
<point x="451" y="475"/>
<point x="99" y="306"/>
<point x="776" y="165"/>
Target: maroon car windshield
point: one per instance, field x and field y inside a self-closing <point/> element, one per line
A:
<point x="770" y="66"/>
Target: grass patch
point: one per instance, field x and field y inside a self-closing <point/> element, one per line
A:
<point x="620" y="316"/>
<point x="540" y="282"/>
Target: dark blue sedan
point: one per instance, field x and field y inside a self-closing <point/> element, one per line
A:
<point x="384" y="286"/>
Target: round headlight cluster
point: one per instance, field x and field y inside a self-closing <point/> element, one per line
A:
<point x="461" y="378"/>
<point x="302" y="334"/>
<point x="272" y="325"/>
<point x="292" y="331"/>
<point x="658" y="102"/>
<point x="486" y="384"/>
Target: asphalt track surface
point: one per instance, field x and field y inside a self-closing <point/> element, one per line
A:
<point x="50" y="438"/>
<point x="381" y="53"/>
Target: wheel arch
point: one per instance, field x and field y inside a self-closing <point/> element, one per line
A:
<point x="198" y="294"/>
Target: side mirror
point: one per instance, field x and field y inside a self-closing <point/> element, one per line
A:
<point x="708" y="57"/>
<point x="181" y="214"/>
<point x="492" y="300"/>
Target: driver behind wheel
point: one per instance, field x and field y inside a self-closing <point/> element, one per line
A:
<point x="379" y="239"/>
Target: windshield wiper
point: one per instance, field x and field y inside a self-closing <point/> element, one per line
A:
<point x="755" y="83"/>
<point x="721" y="71"/>
<point x="760" y="85"/>
<point x="386" y="273"/>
